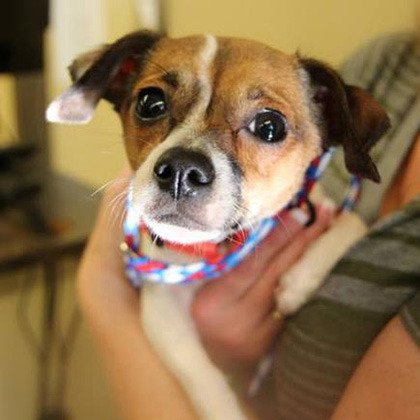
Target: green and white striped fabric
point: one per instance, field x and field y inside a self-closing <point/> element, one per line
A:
<point x="323" y="344"/>
<point x="389" y="68"/>
<point x="378" y="278"/>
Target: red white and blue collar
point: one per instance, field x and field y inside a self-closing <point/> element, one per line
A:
<point x="140" y="268"/>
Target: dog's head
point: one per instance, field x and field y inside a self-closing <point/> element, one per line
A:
<point x="219" y="131"/>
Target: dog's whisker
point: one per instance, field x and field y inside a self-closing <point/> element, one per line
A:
<point x="242" y="219"/>
<point x="120" y="194"/>
<point x="115" y="206"/>
<point x="139" y="139"/>
<point x="119" y="213"/>
<point x="113" y="214"/>
<point x="115" y="201"/>
<point x="109" y="183"/>
<point x="283" y="225"/>
<point x="235" y="241"/>
<point x="142" y="140"/>
<point x="122" y="216"/>
<point x="153" y="248"/>
<point x="114" y="209"/>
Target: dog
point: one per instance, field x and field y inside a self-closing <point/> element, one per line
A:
<point x="219" y="132"/>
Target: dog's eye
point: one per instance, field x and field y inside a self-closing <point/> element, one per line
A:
<point x="151" y="104"/>
<point x="269" y="126"/>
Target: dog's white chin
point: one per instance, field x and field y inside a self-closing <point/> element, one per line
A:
<point x="182" y="235"/>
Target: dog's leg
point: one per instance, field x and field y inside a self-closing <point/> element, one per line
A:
<point x="170" y="329"/>
<point x="307" y="275"/>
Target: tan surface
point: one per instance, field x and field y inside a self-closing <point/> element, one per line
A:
<point x="8" y="122"/>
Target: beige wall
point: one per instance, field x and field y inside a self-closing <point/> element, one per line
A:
<point x="328" y="29"/>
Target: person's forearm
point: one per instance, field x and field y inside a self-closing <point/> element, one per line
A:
<point x="143" y="387"/>
<point x="386" y="384"/>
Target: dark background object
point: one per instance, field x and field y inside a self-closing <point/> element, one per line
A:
<point x="24" y="164"/>
<point x="28" y="188"/>
<point x="22" y="24"/>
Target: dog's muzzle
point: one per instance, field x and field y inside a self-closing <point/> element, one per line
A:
<point x="187" y="195"/>
<point x="183" y="172"/>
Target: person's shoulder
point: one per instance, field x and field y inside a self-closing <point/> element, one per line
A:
<point x="391" y="40"/>
<point x="365" y="61"/>
<point x="385" y="43"/>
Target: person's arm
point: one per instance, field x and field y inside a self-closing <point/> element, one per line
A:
<point x="143" y="387"/>
<point x="386" y="384"/>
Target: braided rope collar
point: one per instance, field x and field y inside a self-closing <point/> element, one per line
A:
<point x="140" y="268"/>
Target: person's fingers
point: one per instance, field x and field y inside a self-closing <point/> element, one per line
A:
<point x="269" y="327"/>
<point x="240" y="344"/>
<point x="261" y="293"/>
<point x="260" y="338"/>
<point x="256" y="314"/>
<point x="236" y="282"/>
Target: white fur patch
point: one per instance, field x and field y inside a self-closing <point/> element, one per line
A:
<point x="207" y="56"/>
<point x="169" y="232"/>
<point x="74" y="106"/>
<point x="145" y="189"/>
<point x="165" y="314"/>
<point x="193" y="120"/>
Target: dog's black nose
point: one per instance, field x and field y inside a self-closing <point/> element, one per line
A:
<point x="183" y="172"/>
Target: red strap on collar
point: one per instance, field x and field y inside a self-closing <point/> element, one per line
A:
<point x="209" y="251"/>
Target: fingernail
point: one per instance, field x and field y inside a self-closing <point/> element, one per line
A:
<point x="328" y="206"/>
<point x="327" y="211"/>
<point x="299" y="215"/>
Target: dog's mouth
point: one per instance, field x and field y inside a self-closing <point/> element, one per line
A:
<point x="182" y="229"/>
<point x="181" y="225"/>
<point x="180" y="220"/>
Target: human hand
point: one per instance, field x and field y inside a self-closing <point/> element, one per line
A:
<point x="235" y="315"/>
<point x="105" y="295"/>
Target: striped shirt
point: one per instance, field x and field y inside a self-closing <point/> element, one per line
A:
<point x="389" y="68"/>
<point x="379" y="277"/>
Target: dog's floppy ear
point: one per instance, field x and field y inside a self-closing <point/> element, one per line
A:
<point x="102" y="73"/>
<point x="350" y="117"/>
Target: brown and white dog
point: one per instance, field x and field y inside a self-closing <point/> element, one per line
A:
<point x="219" y="133"/>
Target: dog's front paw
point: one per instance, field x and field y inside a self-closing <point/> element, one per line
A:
<point x="289" y="300"/>
<point x="296" y="286"/>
